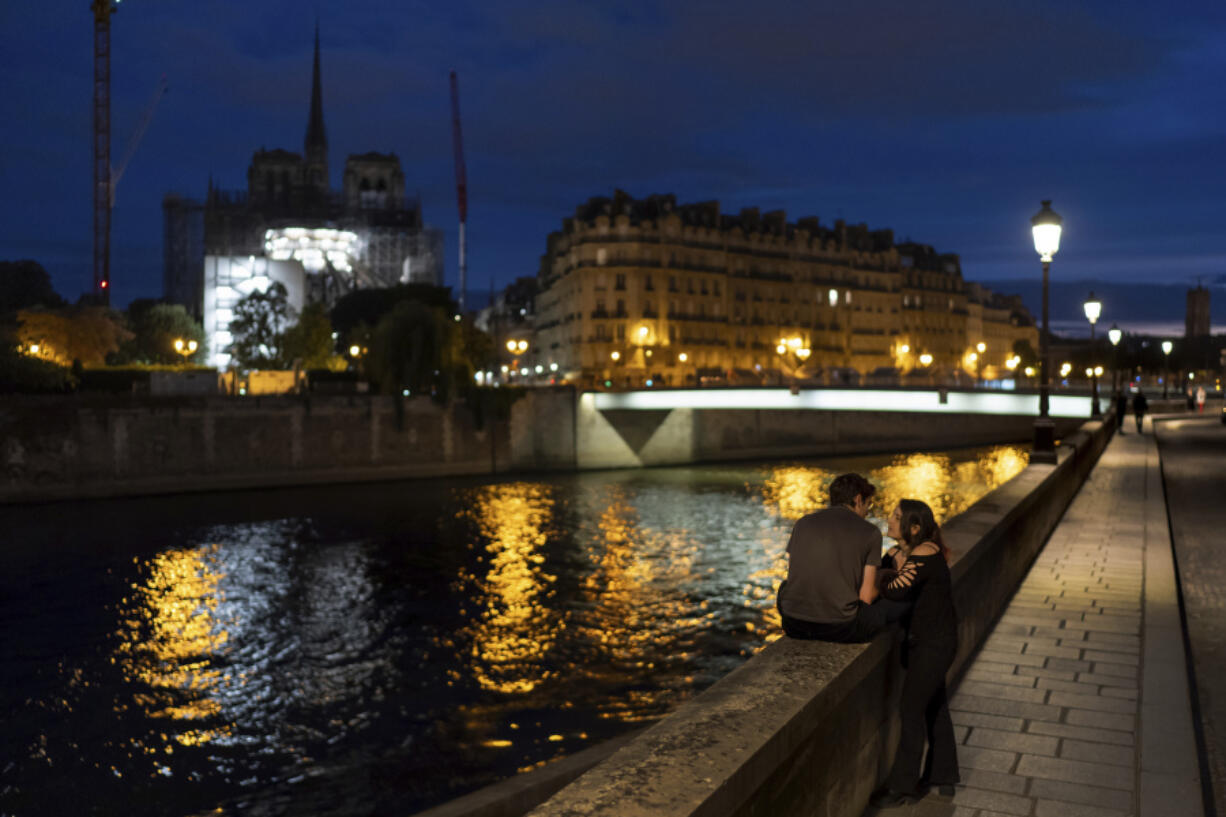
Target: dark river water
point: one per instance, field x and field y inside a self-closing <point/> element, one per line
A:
<point x="378" y="649"/>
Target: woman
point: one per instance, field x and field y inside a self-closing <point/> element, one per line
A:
<point x="922" y="562"/>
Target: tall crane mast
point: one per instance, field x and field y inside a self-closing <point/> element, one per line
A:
<point x="103" y="9"/>
<point x="461" y="182"/>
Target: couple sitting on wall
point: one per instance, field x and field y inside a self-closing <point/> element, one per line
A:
<point x="840" y="587"/>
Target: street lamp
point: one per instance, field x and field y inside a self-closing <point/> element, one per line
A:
<point x="1167" y="346"/>
<point x="1093" y="308"/>
<point x="1045" y="226"/>
<point x="187" y="348"/>
<point x="1114" y="334"/>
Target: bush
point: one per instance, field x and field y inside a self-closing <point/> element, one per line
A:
<point x="126" y="379"/>
<point x="23" y="374"/>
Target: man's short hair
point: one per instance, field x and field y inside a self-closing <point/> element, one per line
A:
<point x="846" y="487"/>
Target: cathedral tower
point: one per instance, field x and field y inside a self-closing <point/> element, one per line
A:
<point x="315" y="150"/>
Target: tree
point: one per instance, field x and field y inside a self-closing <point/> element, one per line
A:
<point x="260" y="320"/>
<point x="25" y="284"/>
<point x="310" y="340"/>
<point x="79" y="333"/>
<point x="368" y="306"/>
<point x="1026" y="354"/>
<point x="156" y="326"/>
<point x="410" y="349"/>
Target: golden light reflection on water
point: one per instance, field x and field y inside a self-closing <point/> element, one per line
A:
<point x="633" y="589"/>
<point x="168" y="638"/>
<point x="516" y="628"/>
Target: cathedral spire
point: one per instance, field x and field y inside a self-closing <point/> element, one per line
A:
<point x="316" y="147"/>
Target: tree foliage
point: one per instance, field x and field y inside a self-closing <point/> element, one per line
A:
<point x="309" y="341"/>
<point x="368" y="306"/>
<point x="25" y="284"/>
<point x="155" y="327"/>
<point x="260" y="321"/>
<point x="79" y="333"/>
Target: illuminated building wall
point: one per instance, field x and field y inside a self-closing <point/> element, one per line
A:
<point x="227" y="279"/>
<point x="632" y="290"/>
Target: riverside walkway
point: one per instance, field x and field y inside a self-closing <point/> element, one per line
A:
<point x="1077" y="704"/>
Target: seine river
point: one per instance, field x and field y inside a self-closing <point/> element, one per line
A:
<point x="378" y="649"/>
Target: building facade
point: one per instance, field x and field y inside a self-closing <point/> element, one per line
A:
<point x="636" y="290"/>
<point x="368" y="233"/>
<point x="1196" y="320"/>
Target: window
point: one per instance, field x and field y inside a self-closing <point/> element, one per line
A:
<point x="621" y="331"/>
<point x="621" y="307"/>
<point x="619" y="281"/>
<point x="716" y="285"/>
<point x="647" y="285"/>
<point x="703" y="286"/>
<point x="602" y="255"/>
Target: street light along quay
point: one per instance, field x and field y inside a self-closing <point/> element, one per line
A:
<point x="1046" y="227"/>
<point x="1114" y="334"/>
<point x="1093" y="308"/>
<point x="187" y="348"/>
<point x="1167" y="346"/>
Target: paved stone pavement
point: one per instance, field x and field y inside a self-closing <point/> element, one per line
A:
<point x="1077" y="704"/>
<point x="1194" y="470"/>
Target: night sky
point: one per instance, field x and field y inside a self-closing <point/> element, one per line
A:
<point x="946" y="121"/>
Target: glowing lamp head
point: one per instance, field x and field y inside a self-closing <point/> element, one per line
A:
<point x="1098" y="371"/>
<point x="794" y="343"/>
<point x="780" y="349"/>
<point x="1167" y="346"/>
<point x="511" y="346"/>
<point x="1046" y="226"/>
<point x="1115" y="334"/>
<point x="833" y="297"/>
<point x="804" y="352"/>
<point x="179" y="344"/>
<point x="34" y="347"/>
<point x="522" y="346"/>
<point x="355" y="350"/>
<point x="981" y="347"/>
<point x="642" y="333"/>
<point x="616" y="356"/>
<point x="1093" y="308"/>
<point x="926" y="359"/>
<point x="683" y="357"/>
<point x="904" y="349"/>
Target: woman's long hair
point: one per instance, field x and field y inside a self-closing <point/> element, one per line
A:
<point x="915" y="512"/>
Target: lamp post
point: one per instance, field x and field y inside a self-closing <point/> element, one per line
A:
<point x="187" y="348"/>
<point x="1045" y="226"/>
<point x="1093" y="308"/>
<point x="1167" y="346"/>
<point x="1114" y="334"/>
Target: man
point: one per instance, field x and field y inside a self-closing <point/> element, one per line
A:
<point x="1139" y="406"/>
<point x="833" y="556"/>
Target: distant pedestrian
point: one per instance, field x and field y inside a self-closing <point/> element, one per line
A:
<point x="1200" y="399"/>
<point x="1121" y="408"/>
<point x="1191" y="396"/>
<point x="1139" y="406"/>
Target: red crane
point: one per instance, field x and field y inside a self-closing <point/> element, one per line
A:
<point x="461" y="181"/>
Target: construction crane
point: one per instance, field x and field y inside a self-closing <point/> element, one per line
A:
<point x="137" y="135"/>
<point x="461" y="182"/>
<point x="103" y="9"/>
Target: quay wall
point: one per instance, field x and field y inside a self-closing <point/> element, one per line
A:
<point x="803" y="727"/>
<point x="74" y="447"/>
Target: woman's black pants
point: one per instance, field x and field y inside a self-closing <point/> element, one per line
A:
<point x="924" y="711"/>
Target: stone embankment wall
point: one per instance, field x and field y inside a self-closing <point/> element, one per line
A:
<point x="803" y="727"/>
<point x="68" y="447"/>
<point x="56" y="448"/>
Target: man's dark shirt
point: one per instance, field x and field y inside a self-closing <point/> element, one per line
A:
<point x="827" y="553"/>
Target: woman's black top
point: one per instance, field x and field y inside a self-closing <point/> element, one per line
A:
<point x="924" y="581"/>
